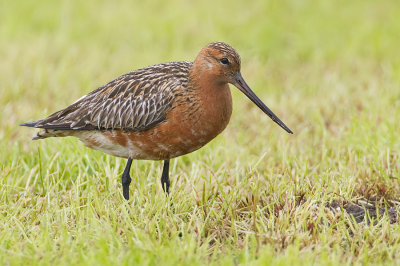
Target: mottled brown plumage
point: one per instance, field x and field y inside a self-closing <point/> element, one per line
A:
<point x="158" y="112"/>
<point x="135" y="101"/>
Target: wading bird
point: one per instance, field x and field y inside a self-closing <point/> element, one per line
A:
<point x="158" y="112"/>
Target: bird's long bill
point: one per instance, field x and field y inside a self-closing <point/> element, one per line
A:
<point x="242" y="85"/>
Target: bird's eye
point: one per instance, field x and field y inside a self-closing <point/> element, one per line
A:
<point x="224" y="61"/>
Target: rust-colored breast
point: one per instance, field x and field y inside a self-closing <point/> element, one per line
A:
<point x="192" y="122"/>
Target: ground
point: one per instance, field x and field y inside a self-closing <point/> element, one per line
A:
<point x="328" y="194"/>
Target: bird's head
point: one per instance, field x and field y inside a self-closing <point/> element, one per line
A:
<point x="221" y="63"/>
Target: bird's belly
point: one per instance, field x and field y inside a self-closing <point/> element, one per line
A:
<point x="147" y="145"/>
<point x="111" y="142"/>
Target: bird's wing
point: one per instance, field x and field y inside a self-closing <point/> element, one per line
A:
<point x="135" y="101"/>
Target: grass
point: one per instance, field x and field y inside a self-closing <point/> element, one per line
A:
<point x="255" y="195"/>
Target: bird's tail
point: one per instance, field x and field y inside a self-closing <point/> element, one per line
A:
<point x="45" y="132"/>
<point x="30" y="124"/>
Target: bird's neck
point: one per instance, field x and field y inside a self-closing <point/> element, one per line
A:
<point x="214" y="96"/>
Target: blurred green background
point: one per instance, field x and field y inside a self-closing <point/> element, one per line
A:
<point x="329" y="69"/>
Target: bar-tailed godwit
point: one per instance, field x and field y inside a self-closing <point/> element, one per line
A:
<point x="158" y="112"/>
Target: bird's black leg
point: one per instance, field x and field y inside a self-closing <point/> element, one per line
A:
<point x="165" y="177"/>
<point x="126" y="179"/>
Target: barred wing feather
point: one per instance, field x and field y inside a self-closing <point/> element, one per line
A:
<point x="135" y="101"/>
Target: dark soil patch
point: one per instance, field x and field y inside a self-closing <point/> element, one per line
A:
<point x="367" y="210"/>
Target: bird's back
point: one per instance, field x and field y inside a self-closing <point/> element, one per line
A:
<point x="136" y="101"/>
